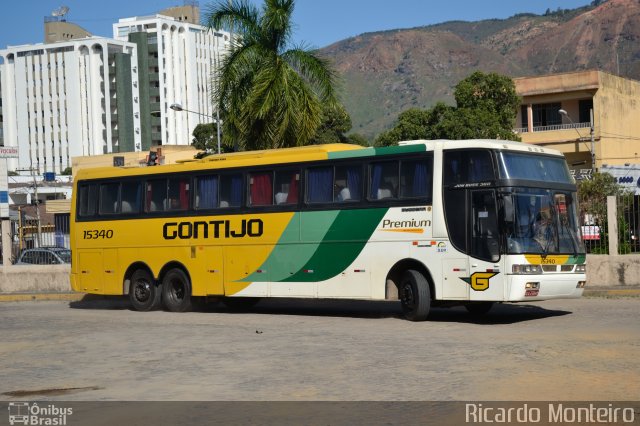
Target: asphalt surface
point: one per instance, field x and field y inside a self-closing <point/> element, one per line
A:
<point x="307" y="350"/>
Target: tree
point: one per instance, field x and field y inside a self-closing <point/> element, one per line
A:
<point x="358" y="139"/>
<point x="205" y="138"/>
<point x="270" y="92"/>
<point x="486" y="109"/>
<point x="592" y="195"/>
<point x="492" y="93"/>
<point x="335" y="123"/>
<point x="67" y="172"/>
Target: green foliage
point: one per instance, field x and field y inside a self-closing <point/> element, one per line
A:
<point x="13" y="173"/>
<point x="493" y="95"/>
<point x="486" y="109"/>
<point x="592" y="194"/>
<point x="272" y="94"/>
<point x="357" y="139"/>
<point x="205" y="138"/>
<point x="67" y="172"/>
<point x="335" y="123"/>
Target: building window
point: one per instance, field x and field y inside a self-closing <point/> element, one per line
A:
<point x="585" y="106"/>
<point x="546" y="115"/>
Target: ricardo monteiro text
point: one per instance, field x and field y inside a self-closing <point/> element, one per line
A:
<point x="550" y="413"/>
<point x="213" y="229"/>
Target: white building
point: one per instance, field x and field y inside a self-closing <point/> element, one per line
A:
<point x="179" y="56"/>
<point x="59" y="100"/>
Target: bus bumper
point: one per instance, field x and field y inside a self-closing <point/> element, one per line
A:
<point x="536" y="287"/>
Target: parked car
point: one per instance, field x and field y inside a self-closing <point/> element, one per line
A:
<point x="44" y="256"/>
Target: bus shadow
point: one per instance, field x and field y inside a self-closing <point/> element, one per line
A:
<point x="500" y="314"/>
<point x="97" y="302"/>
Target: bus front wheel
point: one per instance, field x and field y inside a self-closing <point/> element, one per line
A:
<point x="144" y="294"/>
<point x="415" y="295"/>
<point x="176" y="291"/>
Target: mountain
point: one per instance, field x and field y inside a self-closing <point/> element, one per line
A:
<point x="384" y="73"/>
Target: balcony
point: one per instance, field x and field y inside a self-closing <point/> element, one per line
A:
<point x="553" y="128"/>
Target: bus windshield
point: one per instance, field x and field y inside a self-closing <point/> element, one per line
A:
<point x="542" y="221"/>
<point x="516" y="165"/>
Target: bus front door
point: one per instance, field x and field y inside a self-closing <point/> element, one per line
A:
<point x="484" y="247"/>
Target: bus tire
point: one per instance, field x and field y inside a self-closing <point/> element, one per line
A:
<point x="176" y="291"/>
<point x="144" y="293"/>
<point x="478" y="308"/>
<point x="240" y="303"/>
<point x="415" y="296"/>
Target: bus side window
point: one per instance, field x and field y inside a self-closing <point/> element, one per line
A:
<point x="231" y="190"/>
<point x="467" y="166"/>
<point x="261" y="189"/>
<point x="206" y="192"/>
<point x="87" y="200"/>
<point x="156" y="195"/>
<point x="178" y="194"/>
<point x="109" y="198"/>
<point x="416" y="179"/>
<point x="287" y="187"/>
<point x="320" y="185"/>
<point x="131" y="194"/>
<point x="383" y="180"/>
<point x="348" y="184"/>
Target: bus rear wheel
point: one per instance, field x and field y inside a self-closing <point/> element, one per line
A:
<point x="415" y="296"/>
<point x="144" y="294"/>
<point x="176" y="291"/>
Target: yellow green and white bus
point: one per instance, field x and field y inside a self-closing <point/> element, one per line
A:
<point x="427" y="223"/>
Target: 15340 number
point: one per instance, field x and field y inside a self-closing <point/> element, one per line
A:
<point x="94" y="234"/>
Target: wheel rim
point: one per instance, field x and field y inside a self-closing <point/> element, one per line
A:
<point x="142" y="291"/>
<point x="406" y="297"/>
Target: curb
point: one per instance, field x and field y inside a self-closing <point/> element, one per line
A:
<point x="29" y="297"/>
<point x="612" y="292"/>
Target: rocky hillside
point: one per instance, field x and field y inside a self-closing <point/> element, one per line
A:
<point x="387" y="72"/>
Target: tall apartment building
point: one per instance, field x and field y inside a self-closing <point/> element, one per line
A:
<point x="67" y="99"/>
<point x="79" y="95"/>
<point x="176" y="57"/>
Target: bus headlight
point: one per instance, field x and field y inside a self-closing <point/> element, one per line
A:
<point x="581" y="269"/>
<point x="526" y="269"/>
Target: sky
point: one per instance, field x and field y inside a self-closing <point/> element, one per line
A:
<point x="318" y="23"/>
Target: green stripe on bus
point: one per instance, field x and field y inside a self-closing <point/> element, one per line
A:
<point x="343" y="242"/>
<point x="289" y="254"/>
<point x="577" y="260"/>
<point x="385" y="150"/>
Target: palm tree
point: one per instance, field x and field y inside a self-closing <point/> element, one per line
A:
<point x="270" y="93"/>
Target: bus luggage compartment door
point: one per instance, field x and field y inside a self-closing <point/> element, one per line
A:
<point x="91" y="272"/>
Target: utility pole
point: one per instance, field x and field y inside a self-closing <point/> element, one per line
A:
<point x="593" y="149"/>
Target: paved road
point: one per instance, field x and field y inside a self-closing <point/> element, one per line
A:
<point x="586" y="349"/>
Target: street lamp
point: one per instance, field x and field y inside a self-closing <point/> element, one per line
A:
<point x="177" y="107"/>
<point x="592" y="150"/>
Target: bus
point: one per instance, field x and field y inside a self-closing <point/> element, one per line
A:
<point x="428" y="223"/>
